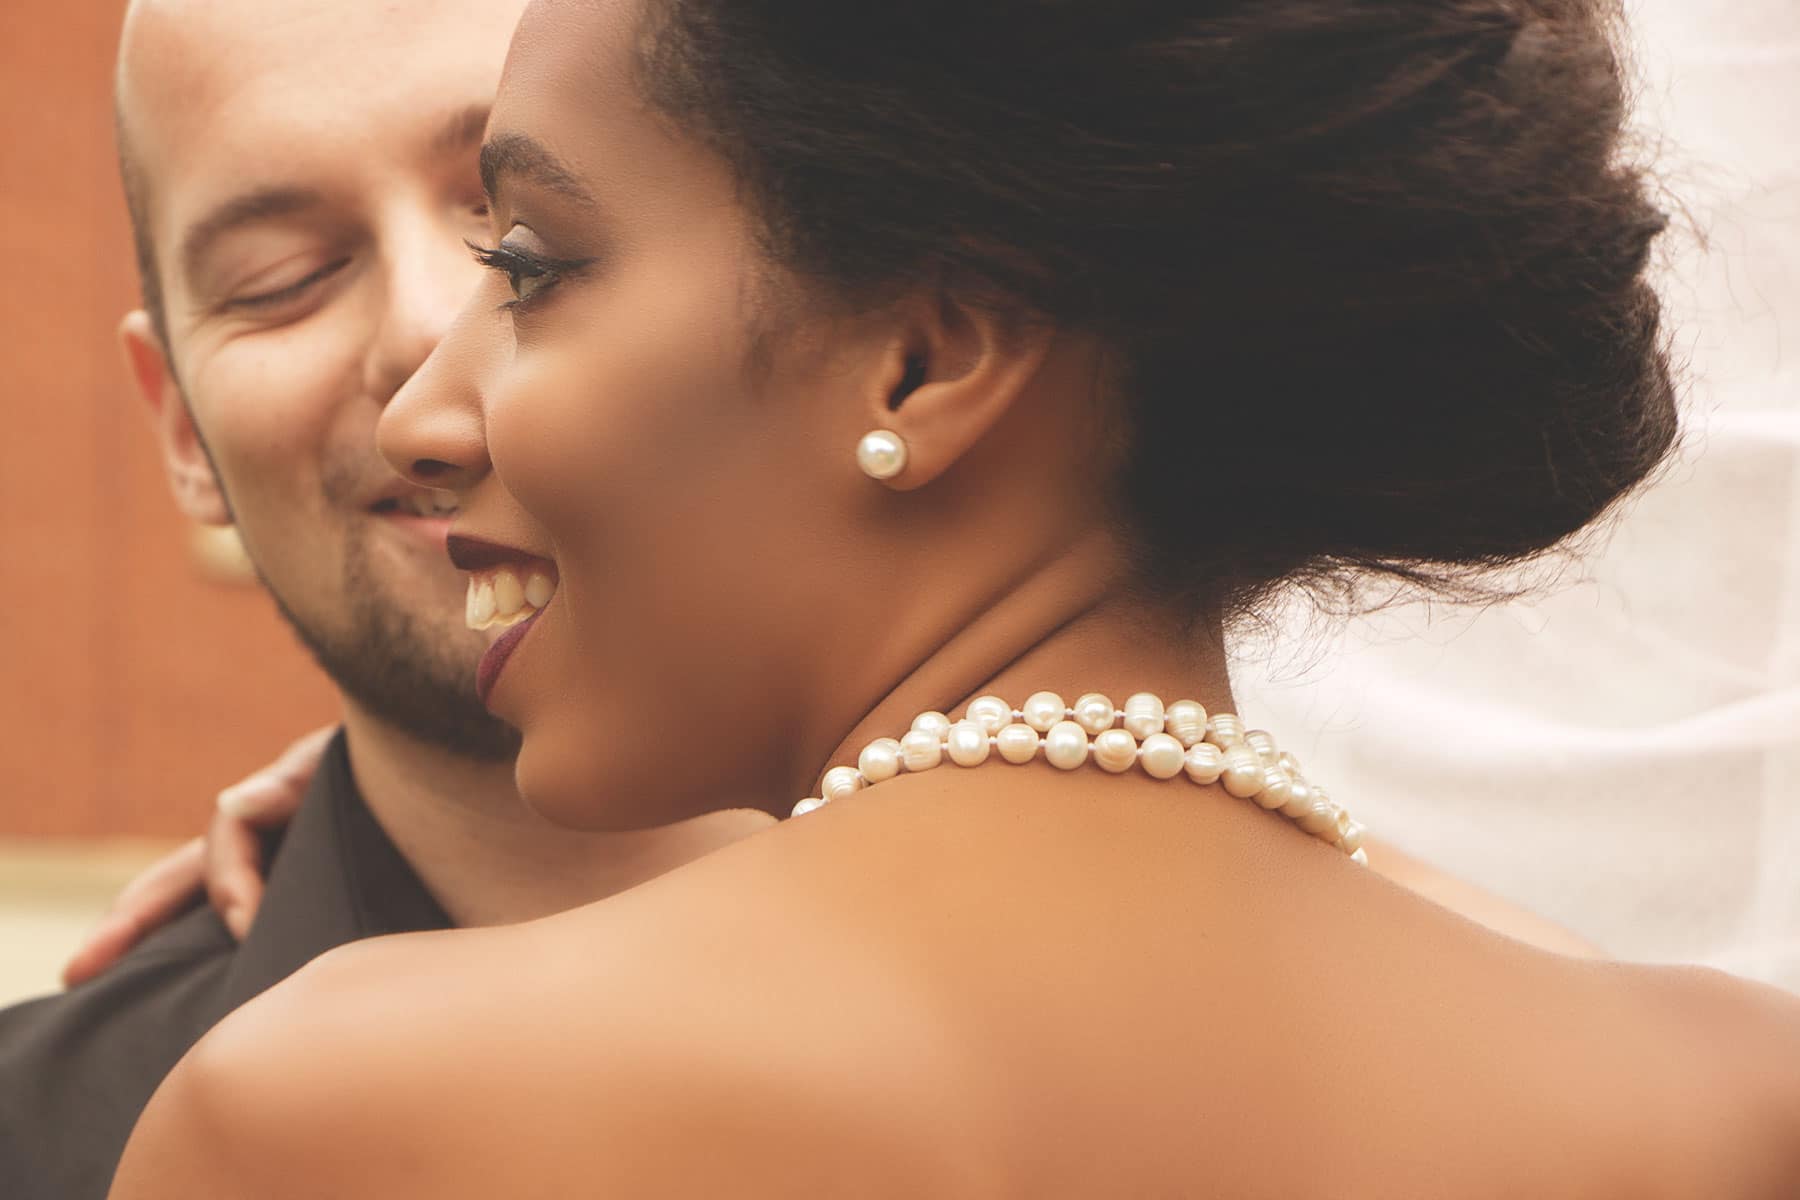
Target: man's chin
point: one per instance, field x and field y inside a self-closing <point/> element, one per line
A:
<point x="418" y="678"/>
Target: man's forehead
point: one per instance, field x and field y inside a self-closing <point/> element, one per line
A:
<point x="238" y="78"/>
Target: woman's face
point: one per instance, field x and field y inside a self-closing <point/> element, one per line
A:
<point x="602" y="415"/>
<point x="722" y="568"/>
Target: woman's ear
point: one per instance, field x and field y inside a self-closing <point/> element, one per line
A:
<point x="191" y="475"/>
<point x="949" y="373"/>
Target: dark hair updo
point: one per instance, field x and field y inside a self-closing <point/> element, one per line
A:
<point x="1373" y="271"/>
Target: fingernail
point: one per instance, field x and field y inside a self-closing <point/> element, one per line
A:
<point x="231" y="802"/>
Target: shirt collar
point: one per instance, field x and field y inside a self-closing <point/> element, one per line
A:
<point x="335" y="878"/>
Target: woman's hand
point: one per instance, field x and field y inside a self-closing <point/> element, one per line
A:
<point x="227" y="862"/>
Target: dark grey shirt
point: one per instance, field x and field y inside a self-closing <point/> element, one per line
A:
<point x="76" y="1069"/>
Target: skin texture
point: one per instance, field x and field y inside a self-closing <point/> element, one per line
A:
<point x="995" y="982"/>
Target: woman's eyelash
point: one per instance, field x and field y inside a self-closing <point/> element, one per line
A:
<point x="530" y="275"/>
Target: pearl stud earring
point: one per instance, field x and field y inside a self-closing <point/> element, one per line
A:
<point x="881" y="454"/>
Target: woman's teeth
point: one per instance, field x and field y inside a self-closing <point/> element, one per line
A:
<point x="498" y="597"/>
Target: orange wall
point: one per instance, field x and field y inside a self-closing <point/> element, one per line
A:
<point x="131" y="689"/>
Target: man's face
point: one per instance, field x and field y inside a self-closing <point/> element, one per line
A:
<point x="308" y="174"/>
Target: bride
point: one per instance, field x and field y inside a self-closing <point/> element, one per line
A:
<point x="889" y="408"/>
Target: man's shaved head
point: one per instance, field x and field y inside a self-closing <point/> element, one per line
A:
<point x="137" y="200"/>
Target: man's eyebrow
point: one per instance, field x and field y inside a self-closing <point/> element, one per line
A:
<point x="506" y="154"/>
<point x="462" y="130"/>
<point x="246" y="208"/>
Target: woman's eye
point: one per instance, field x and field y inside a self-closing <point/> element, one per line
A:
<point x="529" y="275"/>
<point x="526" y="284"/>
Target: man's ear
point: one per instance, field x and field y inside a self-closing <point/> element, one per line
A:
<point x="948" y="376"/>
<point x="191" y="476"/>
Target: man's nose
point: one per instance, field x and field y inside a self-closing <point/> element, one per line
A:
<point x="434" y="429"/>
<point x="429" y="274"/>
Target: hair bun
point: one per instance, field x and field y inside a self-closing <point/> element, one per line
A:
<point x="1394" y="243"/>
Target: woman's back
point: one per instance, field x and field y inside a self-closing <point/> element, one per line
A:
<point x="987" y="989"/>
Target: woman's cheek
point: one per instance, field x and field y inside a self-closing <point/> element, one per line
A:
<point x="546" y="436"/>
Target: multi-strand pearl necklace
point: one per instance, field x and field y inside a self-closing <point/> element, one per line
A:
<point x="1165" y="741"/>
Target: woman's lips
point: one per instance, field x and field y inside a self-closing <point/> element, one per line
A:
<point x="508" y="589"/>
<point x="487" y="674"/>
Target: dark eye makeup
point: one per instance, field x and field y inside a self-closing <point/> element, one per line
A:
<point x="529" y="275"/>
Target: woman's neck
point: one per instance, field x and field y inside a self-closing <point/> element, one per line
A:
<point x="1071" y="627"/>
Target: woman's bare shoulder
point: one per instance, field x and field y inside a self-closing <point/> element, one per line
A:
<point x="446" y="1065"/>
<point x="1729" y="1071"/>
<point x="805" y="1012"/>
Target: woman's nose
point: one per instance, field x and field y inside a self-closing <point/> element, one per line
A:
<point x="433" y="431"/>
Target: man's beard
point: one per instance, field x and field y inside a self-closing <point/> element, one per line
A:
<point x="386" y="660"/>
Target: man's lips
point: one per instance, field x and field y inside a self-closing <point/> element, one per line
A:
<point x="416" y="503"/>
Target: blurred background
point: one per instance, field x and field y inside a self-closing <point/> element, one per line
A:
<point x="1623" y="757"/>
<point x="139" y="678"/>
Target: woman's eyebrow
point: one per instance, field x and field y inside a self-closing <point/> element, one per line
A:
<point x="515" y="154"/>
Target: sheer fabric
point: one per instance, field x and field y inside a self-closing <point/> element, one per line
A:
<point x="1624" y="756"/>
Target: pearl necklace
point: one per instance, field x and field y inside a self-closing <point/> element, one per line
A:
<point x="1164" y="741"/>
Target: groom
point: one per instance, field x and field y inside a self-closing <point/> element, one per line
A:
<point x="301" y="175"/>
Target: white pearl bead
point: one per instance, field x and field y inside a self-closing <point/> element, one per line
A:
<point x="921" y="750"/>
<point x="1278" y="786"/>
<point x="1115" y="750"/>
<point x="1144" y="715"/>
<point x="932" y="722"/>
<point x="1186" y="722"/>
<point x="1066" y="745"/>
<point x="881" y="454"/>
<point x="1162" y="756"/>
<point x="990" y="712"/>
<point x="1299" y="799"/>
<point x="1288" y="763"/>
<point x="1018" y="744"/>
<point x="1264" y="743"/>
<point x="1204" y="763"/>
<point x="1320" y="820"/>
<point x="840" y="782"/>
<point x="1343" y="822"/>
<point x="1360" y="858"/>
<point x="1243" y="774"/>
<point x="1043" y="710"/>
<point x="1225" y="730"/>
<point x="808" y="805"/>
<point x="1353" y="838"/>
<point x="880" y="760"/>
<point x="967" y="744"/>
<point x="1094" y="713"/>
